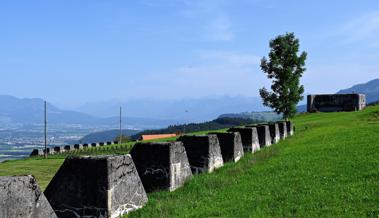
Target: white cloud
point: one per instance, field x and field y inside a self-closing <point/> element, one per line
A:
<point x="364" y="28"/>
<point x="240" y="59"/>
<point x="212" y="18"/>
<point x="218" y="73"/>
<point x="219" y="29"/>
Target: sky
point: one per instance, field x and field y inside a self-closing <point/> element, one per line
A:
<point x="75" y="51"/>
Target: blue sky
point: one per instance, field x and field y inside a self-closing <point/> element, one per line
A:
<point x="76" y="51"/>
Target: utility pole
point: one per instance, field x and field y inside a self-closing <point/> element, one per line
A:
<point x="120" y="125"/>
<point x="184" y="125"/>
<point x="45" y="130"/>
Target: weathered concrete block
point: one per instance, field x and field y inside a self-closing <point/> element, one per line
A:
<point x="335" y="102"/>
<point x="274" y="132"/>
<point x="161" y="166"/>
<point x="59" y="149"/>
<point x="102" y="186"/>
<point x="49" y="151"/>
<point x="249" y="135"/>
<point x="37" y="152"/>
<point x="231" y="146"/>
<point x="290" y="129"/>
<point x="264" y="135"/>
<point x="20" y="196"/>
<point x="283" y="129"/>
<point x="95" y="145"/>
<point x="203" y="152"/>
<point x="78" y="146"/>
<point x="69" y="147"/>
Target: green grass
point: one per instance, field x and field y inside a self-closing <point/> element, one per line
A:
<point x="44" y="169"/>
<point x="329" y="168"/>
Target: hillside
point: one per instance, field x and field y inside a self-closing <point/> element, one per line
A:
<point x="217" y="124"/>
<point x="370" y="89"/>
<point x="105" y="136"/>
<point x="267" y="116"/>
<point x="329" y="168"/>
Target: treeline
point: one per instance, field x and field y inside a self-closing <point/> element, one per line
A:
<point x="219" y="123"/>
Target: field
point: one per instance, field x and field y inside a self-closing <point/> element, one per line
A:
<point x="329" y="168"/>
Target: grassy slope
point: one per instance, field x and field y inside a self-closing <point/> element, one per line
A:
<point x="330" y="168"/>
<point x="44" y="169"/>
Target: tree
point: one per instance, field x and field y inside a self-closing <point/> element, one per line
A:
<point x="285" y="68"/>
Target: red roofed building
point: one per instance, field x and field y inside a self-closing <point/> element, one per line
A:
<point x="157" y="136"/>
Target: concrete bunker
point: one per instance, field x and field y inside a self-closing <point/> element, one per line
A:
<point x="161" y="166"/>
<point x="203" y="152"/>
<point x="335" y="102"/>
<point x="249" y="136"/>
<point x="231" y="146"/>
<point x="101" y="186"/>
<point x="20" y="196"/>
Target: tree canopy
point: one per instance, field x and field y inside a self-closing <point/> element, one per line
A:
<point x="285" y="68"/>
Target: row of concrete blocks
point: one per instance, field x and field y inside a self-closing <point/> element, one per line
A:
<point x="67" y="148"/>
<point x="110" y="186"/>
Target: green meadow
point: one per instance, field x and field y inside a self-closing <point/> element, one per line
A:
<point x="329" y="168"/>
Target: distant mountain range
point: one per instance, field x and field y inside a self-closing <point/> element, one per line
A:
<point x="184" y="110"/>
<point x="148" y="113"/>
<point x="142" y="114"/>
<point x="264" y="116"/>
<point x="370" y="89"/>
<point x="31" y="111"/>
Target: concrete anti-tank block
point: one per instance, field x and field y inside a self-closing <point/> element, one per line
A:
<point x="290" y="129"/>
<point x="274" y="132"/>
<point x="49" y="151"/>
<point x="249" y="137"/>
<point x="101" y="186"/>
<point x="161" y="166"/>
<point x="59" y="149"/>
<point x="203" y="152"/>
<point x="37" y="152"/>
<point x="282" y="130"/>
<point x="69" y="147"/>
<point x="231" y="145"/>
<point x="20" y="196"/>
<point x="264" y="135"/>
<point x="78" y="146"/>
